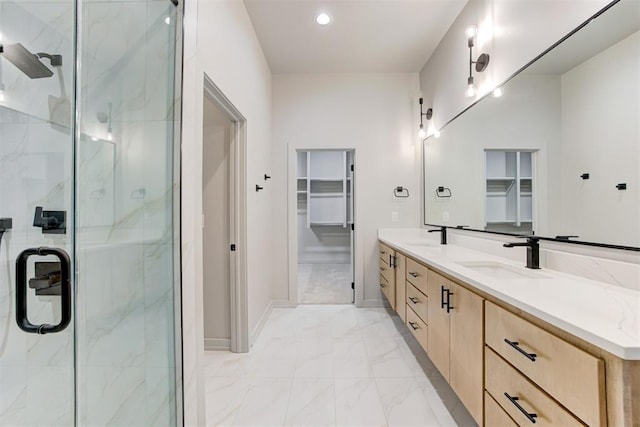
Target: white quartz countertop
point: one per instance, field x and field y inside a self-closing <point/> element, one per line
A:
<point x="605" y="315"/>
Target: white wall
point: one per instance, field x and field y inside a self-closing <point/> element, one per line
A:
<point x="610" y="127"/>
<point x="220" y="41"/>
<point x="375" y="114"/>
<point x="512" y="32"/>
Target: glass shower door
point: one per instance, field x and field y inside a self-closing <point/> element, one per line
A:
<point x="126" y="364"/>
<point x="36" y="213"/>
<point x="89" y="131"/>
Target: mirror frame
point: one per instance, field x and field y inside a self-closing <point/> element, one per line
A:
<point x="512" y="76"/>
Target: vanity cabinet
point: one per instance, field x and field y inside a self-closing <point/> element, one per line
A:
<point x="400" y="263"/>
<point x="455" y="346"/>
<point x="543" y="371"/>
<point x="387" y="273"/>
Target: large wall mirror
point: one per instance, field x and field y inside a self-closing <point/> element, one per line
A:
<point x="558" y="154"/>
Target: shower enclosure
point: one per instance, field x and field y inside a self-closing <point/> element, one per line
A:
<point x="89" y="203"/>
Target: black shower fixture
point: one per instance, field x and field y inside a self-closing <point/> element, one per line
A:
<point x="29" y="63"/>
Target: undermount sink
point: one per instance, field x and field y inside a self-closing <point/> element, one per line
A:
<point x="498" y="270"/>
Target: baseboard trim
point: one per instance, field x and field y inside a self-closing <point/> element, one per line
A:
<point x="283" y="304"/>
<point x="265" y="316"/>
<point x="261" y="322"/>
<point x="371" y="303"/>
<point x="217" y="344"/>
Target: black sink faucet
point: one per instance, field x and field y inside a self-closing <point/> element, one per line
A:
<point x="443" y="234"/>
<point x="533" y="251"/>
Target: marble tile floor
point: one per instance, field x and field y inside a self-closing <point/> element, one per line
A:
<point x="330" y="365"/>
<point x="324" y="284"/>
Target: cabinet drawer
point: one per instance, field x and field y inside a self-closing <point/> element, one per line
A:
<point x="501" y="379"/>
<point x="388" y="290"/>
<point x="385" y="251"/>
<point x="386" y="271"/>
<point x="494" y="415"/>
<point x="417" y="275"/>
<point x="570" y="375"/>
<point x="417" y="301"/>
<point x="417" y="327"/>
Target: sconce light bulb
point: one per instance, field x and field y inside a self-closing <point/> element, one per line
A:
<point x="436" y="134"/>
<point x="167" y="20"/>
<point x="109" y="136"/>
<point x="471" y="91"/>
<point x="421" y="132"/>
<point x="471" y="31"/>
<point x="497" y="92"/>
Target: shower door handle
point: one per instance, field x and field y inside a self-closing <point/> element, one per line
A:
<point x="21" y="291"/>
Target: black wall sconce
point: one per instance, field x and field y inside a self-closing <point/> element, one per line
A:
<point x="422" y="133"/>
<point x="584" y="176"/>
<point x="266" y="177"/>
<point x="622" y="186"/>
<point x="481" y="63"/>
<point x="258" y="188"/>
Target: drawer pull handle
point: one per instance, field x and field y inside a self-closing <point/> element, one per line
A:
<point x="383" y="269"/>
<point x="514" y="344"/>
<point x="414" y="300"/>
<point x="382" y="285"/>
<point x="414" y="326"/>
<point x="514" y="400"/>
<point x="414" y="275"/>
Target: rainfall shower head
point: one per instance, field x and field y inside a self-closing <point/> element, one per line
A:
<point x="28" y="62"/>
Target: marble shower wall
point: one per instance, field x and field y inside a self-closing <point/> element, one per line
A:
<point x="124" y="242"/>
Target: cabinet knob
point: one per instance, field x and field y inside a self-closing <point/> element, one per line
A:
<point x="414" y="300"/>
<point x="414" y="326"/>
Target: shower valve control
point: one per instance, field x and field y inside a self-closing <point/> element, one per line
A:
<point x="51" y="222"/>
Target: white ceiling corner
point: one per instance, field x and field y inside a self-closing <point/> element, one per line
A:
<point x="370" y="36"/>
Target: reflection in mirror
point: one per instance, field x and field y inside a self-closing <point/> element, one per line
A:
<point x="549" y="156"/>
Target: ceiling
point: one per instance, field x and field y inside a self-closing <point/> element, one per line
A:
<point x="375" y="36"/>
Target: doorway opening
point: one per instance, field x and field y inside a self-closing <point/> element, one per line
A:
<point x="325" y="229"/>
<point x="223" y="223"/>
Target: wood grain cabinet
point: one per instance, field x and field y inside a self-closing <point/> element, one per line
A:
<point x="387" y="273"/>
<point x="400" y="264"/>
<point x="455" y="346"/>
<point x="566" y="374"/>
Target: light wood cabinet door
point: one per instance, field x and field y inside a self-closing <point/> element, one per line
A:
<point x="438" y="321"/>
<point x="417" y="301"/>
<point x="401" y="286"/>
<point x="466" y="348"/>
<point x="417" y="327"/>
<point x="494" y="415"/>
<point x="549" y="361"/>
<point x="521" y="399"/>
<point x="417" y="274"/>
<point x="388" y="290"/>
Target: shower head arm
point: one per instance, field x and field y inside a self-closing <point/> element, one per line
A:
<point x="56" y="60"/>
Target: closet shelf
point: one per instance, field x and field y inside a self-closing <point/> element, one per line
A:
<point x="326" y="194"/>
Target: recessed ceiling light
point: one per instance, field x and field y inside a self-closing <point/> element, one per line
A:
<point x="323" y="19"/>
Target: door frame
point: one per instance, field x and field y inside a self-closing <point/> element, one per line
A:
<point x="292" y="224"/>
<point x="239" y="312"/>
